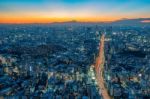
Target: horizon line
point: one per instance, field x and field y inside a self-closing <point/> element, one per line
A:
<point x="76" y="21"/>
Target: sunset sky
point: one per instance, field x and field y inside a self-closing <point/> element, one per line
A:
<point x="45" y="11"/>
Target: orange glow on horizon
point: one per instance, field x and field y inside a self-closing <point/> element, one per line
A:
<point x="50" y="20"/>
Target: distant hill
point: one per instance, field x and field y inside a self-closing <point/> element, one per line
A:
<point x="138" y="21"/>
<point x="125" y="21"/>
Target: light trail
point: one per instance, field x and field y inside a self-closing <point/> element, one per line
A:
<point x="99" y="69"/>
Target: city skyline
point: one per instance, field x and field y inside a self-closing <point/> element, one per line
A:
<point x="46" y="11"/>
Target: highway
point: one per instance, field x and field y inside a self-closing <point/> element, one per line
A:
<point x="100" y="60"/>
